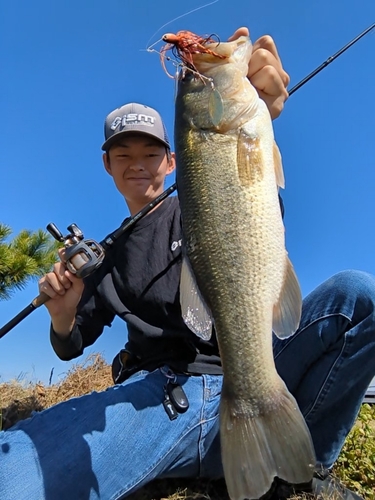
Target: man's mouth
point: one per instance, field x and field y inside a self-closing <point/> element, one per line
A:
<point x="138" y="178"/>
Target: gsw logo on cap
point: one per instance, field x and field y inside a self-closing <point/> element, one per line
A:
<point x="131" y="118"/>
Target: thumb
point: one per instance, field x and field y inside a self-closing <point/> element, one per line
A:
<point x="239" y="32"/>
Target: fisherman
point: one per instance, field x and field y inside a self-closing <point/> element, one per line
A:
<point x="160" y="419"/>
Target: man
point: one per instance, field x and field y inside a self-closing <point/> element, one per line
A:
<point x="161" y="418"/>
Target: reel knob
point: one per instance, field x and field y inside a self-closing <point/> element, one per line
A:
<point x="55" y="232"/>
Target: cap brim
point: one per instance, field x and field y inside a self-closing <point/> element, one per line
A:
<point x="116" y="137"/>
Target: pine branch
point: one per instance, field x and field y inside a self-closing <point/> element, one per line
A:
<point x="28" y="256"/>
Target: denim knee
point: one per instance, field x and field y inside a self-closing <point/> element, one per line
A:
<point x="356" y="288"/>
<point x="359" y="283"/>
<point x="349" y="293"/>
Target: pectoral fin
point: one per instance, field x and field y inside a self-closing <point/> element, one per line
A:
<point x="278" y="166"/>
<point x="195" y="312"/>
<point x="287" y="311"/>
<point x="250" y="162"/>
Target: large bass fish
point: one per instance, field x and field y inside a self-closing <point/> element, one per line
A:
<point x="228" y="174"/>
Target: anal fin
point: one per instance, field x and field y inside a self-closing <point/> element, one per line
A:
<point x="287" y="311"/>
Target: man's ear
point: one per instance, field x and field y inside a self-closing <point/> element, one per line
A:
<point x="106" y="163"/>
<point x="172" y="163"/>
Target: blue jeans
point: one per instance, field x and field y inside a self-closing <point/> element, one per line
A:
<point x="107" y="445"/>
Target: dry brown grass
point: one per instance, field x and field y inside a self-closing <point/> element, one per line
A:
<point x="18" y="400"/>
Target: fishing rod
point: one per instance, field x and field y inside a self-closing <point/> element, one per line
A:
<point x="330" y="59"/>
<point x="83" y="257"/>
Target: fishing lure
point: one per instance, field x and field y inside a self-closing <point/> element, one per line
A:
<point x="185" y="43"/>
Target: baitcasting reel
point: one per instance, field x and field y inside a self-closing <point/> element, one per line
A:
<point x="82" y="257"/>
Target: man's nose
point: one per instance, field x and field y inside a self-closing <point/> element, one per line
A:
<point x="136" y="166"/>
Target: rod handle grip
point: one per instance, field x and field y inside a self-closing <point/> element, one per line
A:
<point x="41" y="299"/>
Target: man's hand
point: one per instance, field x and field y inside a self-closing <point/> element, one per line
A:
<point x="266" y="72"/>
<point x="64" y="290"/>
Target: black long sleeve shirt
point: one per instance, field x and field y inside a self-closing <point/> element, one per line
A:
<point x="139" y="282"/>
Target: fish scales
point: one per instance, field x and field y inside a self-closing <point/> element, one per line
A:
<point x="222" y="241"/>
<point x="228" y="174"/>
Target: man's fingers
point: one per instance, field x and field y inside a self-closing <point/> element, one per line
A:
<point x="51" y="286"/>
<point x="268" y="80"/>
<point x="275" y="104"/>
<point x="266" y="72"/>
<point x="266" y="42"/>
<point x="57" y="281"/>
<point x="262" y="58"/>
<point x="61" y="254"/>
<point x="63" y="275"/>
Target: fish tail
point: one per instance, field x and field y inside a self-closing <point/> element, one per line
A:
<point x="258" y="447"/>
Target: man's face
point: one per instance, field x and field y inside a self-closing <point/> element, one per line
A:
<point x="138" y="165"/>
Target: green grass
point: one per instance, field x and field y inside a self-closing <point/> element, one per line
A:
<point x="356" y="464"/>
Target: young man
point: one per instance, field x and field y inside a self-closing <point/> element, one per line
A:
<point x="107" y="445"/>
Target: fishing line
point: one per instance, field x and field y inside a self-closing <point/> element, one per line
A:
<point x="175" y="19"/>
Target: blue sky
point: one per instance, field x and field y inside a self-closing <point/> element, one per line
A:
<point x="65" y="65"/>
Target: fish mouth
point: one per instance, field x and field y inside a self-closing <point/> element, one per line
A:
<point x="235" y="53"/>
<point x="222" y="49"/>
